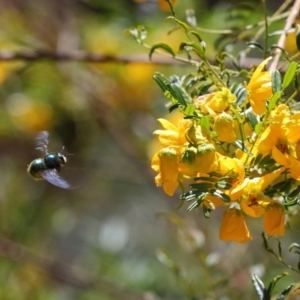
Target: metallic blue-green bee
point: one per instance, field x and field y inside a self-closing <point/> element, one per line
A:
<point x="48" y="167"/>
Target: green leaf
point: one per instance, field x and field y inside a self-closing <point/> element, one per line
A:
<point x="220" y="195"/>
<point x="273" y="100"/>
<point x="183" y="25"/>
<point x="295" y="192"/>
<point x="206" y="212"/>
<point x="259" y="287"/>
<point x="200" y="50"/>
<point x="258" y="159"/>
<point x="279" y="249"/>
<point x="276" y="81"/>
<point x="294" y="245"/>
<point x="289" y="75"/>
<point x="273" y="283"/>
<point x="193" y="205"/>
<point x="177" y="93"/>
<point x="258" y="128"/>
<point x="255" y="45"/>
<point x="163" y="46"/>
<point x="241" y="96"/>
<point x="173" y="107"/>
<point x="160" y="82"/>
<point x="240" y="144"/>
<point x="201" y="185"/>
<point x="266" y="244"/>
<point x="189" y="110"/>
<point x="196" y="34"/>
<point x="284" y="293"/>
<point x="252" y="119"/>
<point x="223" y="185"/>
<point x="204" y="122"/>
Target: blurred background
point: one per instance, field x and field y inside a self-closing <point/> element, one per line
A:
<point x="118" y="236"/>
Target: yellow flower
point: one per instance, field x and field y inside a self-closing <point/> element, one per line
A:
<point x="231" y="167"/>
<point x="172" y="135"/>
<point x="260" y="88"/>
<point x="250" y="192"/>
<point x="281" y="139"/>
<point x="166" y="163"/>
<point x="224" y="127"/>
<point x="233" y="227"/>
<point x="274" y="219"/>
<point x="216" y="102"/>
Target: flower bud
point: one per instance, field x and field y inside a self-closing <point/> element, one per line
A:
<point x="205" y="158"/>
<point x="224" y="127"/>
<point x="168" y="164"/>
<point x="188" y="156"/>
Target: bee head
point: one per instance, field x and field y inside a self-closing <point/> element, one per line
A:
<point x="62" y="158"/>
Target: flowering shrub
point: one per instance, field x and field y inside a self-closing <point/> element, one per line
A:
<point x="236" y="143"/>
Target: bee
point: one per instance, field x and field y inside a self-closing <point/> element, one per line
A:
<point x="48" y="168"/>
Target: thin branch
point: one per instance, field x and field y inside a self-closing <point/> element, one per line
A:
<point x="83" y="57"/>
<point x="281" y="42"/>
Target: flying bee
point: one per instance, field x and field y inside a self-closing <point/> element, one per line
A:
<point x="49" y="167"/>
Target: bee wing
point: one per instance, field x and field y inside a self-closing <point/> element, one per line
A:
<point x="54" y="178"/>
<point x="42" y="141"/>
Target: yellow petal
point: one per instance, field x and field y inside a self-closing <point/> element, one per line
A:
<point x="167" y="125"/>
<point x="274" y="219"/>
<point x="233" y="227"/>
<point x="168" y="159"/>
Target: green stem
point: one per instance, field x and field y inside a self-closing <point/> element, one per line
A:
<point x="292" y="96"/>
<point x="266" y="28"/>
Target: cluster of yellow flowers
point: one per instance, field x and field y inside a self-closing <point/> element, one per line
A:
<point x="224" y="174"/>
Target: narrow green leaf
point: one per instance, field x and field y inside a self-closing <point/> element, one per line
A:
<point x="178" y="94"/>
<point x="206" y="212"/>
<point x="279" y="249"/>
<point x="160" y="82"/>
<point x="173" y="107"/>
<point x="241" y="96"/>
<point x="204" y="122"/>
<point x="201" y="185"/>
<point x="289" y="75"/>
<point x="295" y="192"/>
<point x="200" y="50"/>
<point x="255" y="45"/>
<point x="285" y="292"/>
<point x="273" y="283"/>
<point x="196" y="34"/>
<point x="220" y="195"/>
<point x="193" y="205"/>
<point x="252" y="119"/>
<point x="189" y="110"/>
<point x="276" y="81"/>
<point x="273" y="100"/>
<point x="163" y="46"/>
<point x="240" y="144"/>
<point x="258" y="158"/>
<point x="258" y="128"/>
<point x="223" y="185"/>
<point x="266" y="244"/>
<point x="183" y="25"/>
<point x="294" y="245"/>
<point x="259" y="287"/>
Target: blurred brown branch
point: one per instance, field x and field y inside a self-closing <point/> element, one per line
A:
<point x="88" y="57"/>
<point x="63" y="272"/>
<point x="84" y="57"/>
